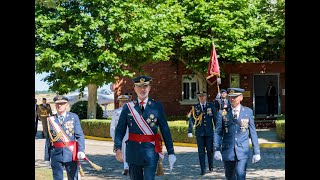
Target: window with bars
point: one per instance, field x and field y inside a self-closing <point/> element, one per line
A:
<point x="189" y="87"/>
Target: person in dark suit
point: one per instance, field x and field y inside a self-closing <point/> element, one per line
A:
<point x="271" y="96"/>
<point x="36" y="117"/>
<point x="143" y="117"/>
<point x="231" y="137"/>
<point x="65" y="141"/>
<point x="202" y="117"/>
<point x="221" y="101"/>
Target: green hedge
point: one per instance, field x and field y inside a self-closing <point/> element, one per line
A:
<point x="96" y="127"/>
<point x="280" y="129"/>
<point x="179" y="132"/>
<point x="101" y="128"/>
<point x="177" y="118"/>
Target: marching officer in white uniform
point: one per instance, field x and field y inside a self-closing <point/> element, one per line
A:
<point x="122" y="99"/>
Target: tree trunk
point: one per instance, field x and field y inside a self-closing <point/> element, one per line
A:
<point x="200" y="77"/>
<point x="92" y="101"/>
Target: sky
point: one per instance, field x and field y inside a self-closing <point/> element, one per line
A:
<point x="40" y="85"/>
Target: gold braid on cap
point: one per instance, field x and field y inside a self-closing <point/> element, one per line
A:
<point x="197" y="120"/>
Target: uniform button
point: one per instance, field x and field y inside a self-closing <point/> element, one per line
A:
<point x="204" y="124"/>
<point x="236" y="131"/>
<point x="139" y="142"/>
<point x="235" y="138"/>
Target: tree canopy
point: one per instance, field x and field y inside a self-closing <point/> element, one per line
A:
<point x="81" y="42"/>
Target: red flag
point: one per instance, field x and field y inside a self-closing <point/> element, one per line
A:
<point x="213" y="67"/>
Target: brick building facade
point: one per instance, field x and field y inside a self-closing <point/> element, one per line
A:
<point x="175" y="86"/>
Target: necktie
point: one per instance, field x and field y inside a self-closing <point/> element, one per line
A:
<point x="203" y="107"/>
<point x="60" y="119"/>
<point x="225" y="103"/>
<point x="235" y="113"/>
<point x="141" y="106"/>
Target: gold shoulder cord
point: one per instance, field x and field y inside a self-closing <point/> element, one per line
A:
<point x="50" y="135"/>
<point x="197" y="120"/>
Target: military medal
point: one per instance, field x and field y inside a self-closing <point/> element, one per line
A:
<point x="152" y="124"/>
<point x="224" y="112"/>
<point x="209" y="111"/>
<point x="148" y="120"/>
<point x="244" y="124"/>
<point x="225" y="123"/>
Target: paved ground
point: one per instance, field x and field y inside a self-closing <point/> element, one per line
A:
<point x="271" y="166"/>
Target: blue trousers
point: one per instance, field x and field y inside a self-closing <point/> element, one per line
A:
<point x="235" y="170"/>
<point x="147" y="171"/>
<point x="71" y="169"/>
<point x="205" y="143"/>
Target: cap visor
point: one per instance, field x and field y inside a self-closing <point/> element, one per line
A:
<point x="60" y="101"/>
<point x="235" y="94"/>
<point x="142" y="83"/>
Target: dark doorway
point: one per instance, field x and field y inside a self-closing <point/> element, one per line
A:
<point x="260" y="85"/>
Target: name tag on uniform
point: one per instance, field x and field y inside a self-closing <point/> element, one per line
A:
<point x="129" y="114"/>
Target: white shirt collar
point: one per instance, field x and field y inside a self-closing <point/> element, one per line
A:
<point x="63" y="114"/>
<point x="205" y="103"/>
<point x="145" y="101"/>
<point x="236" y="108"/>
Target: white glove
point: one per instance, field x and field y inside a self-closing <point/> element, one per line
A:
<point x="172" y="159"/>
<point x="47" y="163"/>
<point x="190" y="135"/>
<point x="217" y="155"/>
<point x="256" y="158"/>
<point x="81" y="155"/>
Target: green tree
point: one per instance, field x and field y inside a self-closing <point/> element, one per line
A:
<point x="87" y="43"/>
<point x="241" y="30"/>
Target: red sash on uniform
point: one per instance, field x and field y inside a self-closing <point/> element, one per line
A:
<point x="148" y="136"/>
<point x="66" y="142"/>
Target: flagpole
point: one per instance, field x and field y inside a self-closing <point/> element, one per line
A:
<point x="219" y="67"/>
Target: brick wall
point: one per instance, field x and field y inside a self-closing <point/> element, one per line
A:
<point x="166" y="84"/>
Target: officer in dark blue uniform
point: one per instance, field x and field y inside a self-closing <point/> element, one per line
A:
<point x="203" y="118"/>
<point x="143" y="116"/>
<point x="65" y="142"/>
<point x="231" y="138"/>
<point x="221" y="101"/>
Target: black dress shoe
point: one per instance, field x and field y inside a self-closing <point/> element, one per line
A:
<point x="202" y="173"/>
<point x="210" y="169"/>
<point x="125" y="172"/>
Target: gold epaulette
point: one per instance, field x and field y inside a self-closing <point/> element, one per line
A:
<point x="52" y="140"/>
<point x="197" y="119"/>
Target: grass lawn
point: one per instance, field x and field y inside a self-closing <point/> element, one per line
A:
<point x="44" y="173"/>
